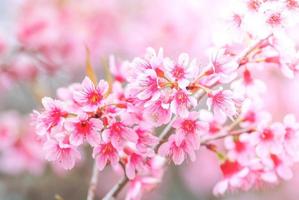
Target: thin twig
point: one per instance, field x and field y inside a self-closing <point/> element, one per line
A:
<point x="164" y="134"/>
<point x="93" y="182"/>
<point x="116" y="189"/>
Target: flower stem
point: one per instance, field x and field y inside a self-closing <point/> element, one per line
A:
<point x="112" y="194"/>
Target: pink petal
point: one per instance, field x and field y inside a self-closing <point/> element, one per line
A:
<point x="220" y="188"/>
<point x="178" y="156"/>
<point x="130" y="171"/>
<point x="101" y="162"/>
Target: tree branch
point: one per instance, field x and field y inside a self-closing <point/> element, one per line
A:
<point x="93" y="182"/>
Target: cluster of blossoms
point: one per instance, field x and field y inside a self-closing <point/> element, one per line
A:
<point x="259" y="18"/>
<point x="194" y="105"/>
<point x="118" y="120"/>
<point x="19" y="146"/>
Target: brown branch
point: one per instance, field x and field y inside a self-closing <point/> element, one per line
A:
<point x="93" y="182"/>
<point x="116" y="189"/>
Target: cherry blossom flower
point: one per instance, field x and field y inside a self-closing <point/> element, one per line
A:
<point x="276" y="166"/>
<point x="222" y="103"/>
<point x="248" y="86"/>
<point x="181" y="71"/>
<point x="291" y="136"/>
<point x="188" y="129"/>
<point x="233" y="174"/>
<point x="119" y="133"/>
<point x="145" y="140"/>
<point x="158" y="112"/>
<point x="269" y="140"/>
<point x="52" y="116"/>
<point x="91" y="96"/>
<point x="8" y="130"/>
<point x="240" y="148"/>
<point x="181" y="103"/>
<point x="148" y="86"/>
<point x="84" y="128"/>
<point x="139" y="185"/>
<point x="61" y="151"/>
<point x="103" y="153"/>
<point x="177" y="149"/>
<point x="220" y="68"/>
<point x="212" y="125"/>
<point x="135" y="162"/>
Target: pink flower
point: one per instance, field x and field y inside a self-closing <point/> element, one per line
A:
<point x="139" y="185"/>
<point x="181" y="71"/>
<point x="189" y="128"/>
<point x="8" y="131"/>
<point x="248" y="86"/>
<point x="292" y="4"/>
<point x="61" y="151"/>
<point x="252" y="116"/>
<point x="135" y="162"/>
<point x="240" y="148"/>
<point x="269" y="140"/>
<point x="119" y="133"/>
<point x="103" y="153"/>
<point x="234" y="177"/>
<point x="91" y="96"/>
<point x="82" y="128"/>
<point x="181" y="103"/>
<point x="222" y="69"/>
<point x="276" y="165"/>
<point x="212" y="125"/>
<point x="148" y="88"/>
<point x="177" y="149"/>
<point x="52" y="116"/>
<point x="223" y="104"/>
<point x="158" y="113"/>
<point x="291" y="136"/>
<point x="118" y="70"/>
<point x="145" y="140"/>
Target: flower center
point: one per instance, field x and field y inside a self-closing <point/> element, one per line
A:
<point x="253" y="5"/>
<point x="218" y="98"/>
<point x="292" y="4"/>
<point x="189" y="126"/>
<point x="178" y="72"/>
<point x="250" y="117"/>
<point x="276" y="161"/>
<point x="213" y="128"/>
<point x="247" y="77"/>
<point x="267" y="135"/>
<point x="239" y="146"/>
<point x="151" y="84"/>
<point x="117" y="127"/>
<point x="108" y="149"/>
<point x="230" y="168"/>
<point x="83" y="127"/>
<point x="55" y="116"/>
<point x="181" y="97"/>
<point x="94" y="98"/>
<point x="274" y="19"/>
